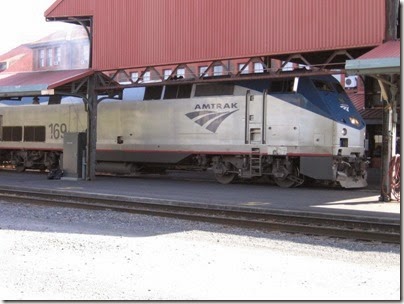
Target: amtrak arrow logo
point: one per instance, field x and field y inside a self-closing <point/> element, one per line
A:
<point x="345" y="107"/>
<point x="211" y="120"/>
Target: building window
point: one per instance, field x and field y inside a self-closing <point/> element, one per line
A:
<point x="167" y="74"/>
<point x="202" y="70"/>
<point x="217" y="70"/>
<point x="3" y="66"/>
<point x="181" y="72"/>
<point x="288" y="66"/>
<point x="134" y="76"/>
<point x="146" y="77"/>
<point x="240" y="66"/>
<point x="58" y="56"/>
<point x="49" y="57"/>
<point x="42" y="58"/>
<point x="258" y="67"/>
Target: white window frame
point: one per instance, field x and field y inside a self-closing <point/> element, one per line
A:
<point x="288" y="66"/>
<point x="147" y="77"/>
<point x="202" y="70"/>
<point x="246" y="69"/>
<point x="49" y="57"/>
<point x="258" y="67"/>
<point x="134" y="76"/>
<point x="167" y="73"/>
<point x="181" y="72"/>
<point x="217" y="70"/>
<point x="42" y="58"/>
<point x="58" y="56"/>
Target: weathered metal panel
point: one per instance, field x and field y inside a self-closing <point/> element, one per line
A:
<point x="390" y="49"/>
<point x="37" y="81"/>
<point x="67" y="8"/>
<point x="134" y="33"/>
<point x="384" y="59"/>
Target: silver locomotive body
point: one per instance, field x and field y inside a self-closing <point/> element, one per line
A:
<point x="237" y="129"/>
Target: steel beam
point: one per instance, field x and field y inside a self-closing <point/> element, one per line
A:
<point x="92" y="105"/>
<point x="235" y="73"/>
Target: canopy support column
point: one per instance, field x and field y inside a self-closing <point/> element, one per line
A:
<point x="389" y="128"/>
<point x="92" y="105"/>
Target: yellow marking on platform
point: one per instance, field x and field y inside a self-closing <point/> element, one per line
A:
<point x="71" y="188"/>
<point x="255" y="204"/>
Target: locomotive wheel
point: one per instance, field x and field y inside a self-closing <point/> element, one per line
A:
<point x="289" y="181"/>
<point x="284" y="182"/>
<point x="225" y="178"/>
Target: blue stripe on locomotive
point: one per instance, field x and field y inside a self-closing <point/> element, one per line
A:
<point x="333" y="103"/>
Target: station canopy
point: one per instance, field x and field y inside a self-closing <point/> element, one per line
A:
<point x="384" y="59"/>
<point x="46" y="83"/>
<point x="381" y="63"/>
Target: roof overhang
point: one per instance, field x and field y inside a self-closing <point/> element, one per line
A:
<point x="62" y="82"/>
<point x="382" y="60"/>
<point x="40" y="83"/>
<point x="373" y="66"/>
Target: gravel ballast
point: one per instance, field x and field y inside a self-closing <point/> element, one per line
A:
<point x="55" y="253"/>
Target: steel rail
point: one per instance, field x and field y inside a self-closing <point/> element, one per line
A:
<point x="349" y="227"/>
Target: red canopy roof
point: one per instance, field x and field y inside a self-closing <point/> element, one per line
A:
<point x="140" y="33"/>
<point x="390" y="49"/>
<point x="384" y="59"/>
<point x="34" y="83"/>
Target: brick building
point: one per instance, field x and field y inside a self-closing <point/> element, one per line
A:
<point x="62" y="50"/>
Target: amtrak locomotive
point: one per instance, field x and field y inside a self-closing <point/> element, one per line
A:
<point x="289" y="129"/>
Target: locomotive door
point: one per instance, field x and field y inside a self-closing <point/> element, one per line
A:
<point x="255" y="118"/>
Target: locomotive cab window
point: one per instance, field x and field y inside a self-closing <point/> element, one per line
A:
<point x="323" y="86"/>
<point x="12" y="133"/>
<point x="214" y="89"/>
<point x="282" y="86"/>
<point x="34" y="134"/>
<point x="178" y="91"/>
<point x="153" y="93"/>
<point x="338" y="88"/>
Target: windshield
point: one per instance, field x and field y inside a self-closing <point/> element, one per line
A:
<point x="323" y="86"/>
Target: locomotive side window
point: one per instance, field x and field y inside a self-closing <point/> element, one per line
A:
<point x="338" y="87"/>
<point x="323" y="86"/>
<point x="171" y="92"/>
<point x="282" y="86"/>
<point x="214" y="89"/>
<point x="153" y="93"/>
<point x="34" y="134"/>
<point x="184" y="91"/>
<point x="178" y="91"/>
<point x="12" y="133"/>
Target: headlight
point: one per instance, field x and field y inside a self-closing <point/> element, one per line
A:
<point x="354" y="121"/>
<point x="344" y="132"/>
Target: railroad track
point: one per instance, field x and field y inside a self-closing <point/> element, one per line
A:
<point x="350" y="227"/>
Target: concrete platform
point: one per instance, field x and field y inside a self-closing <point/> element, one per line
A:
<point x="199" y="188"/>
